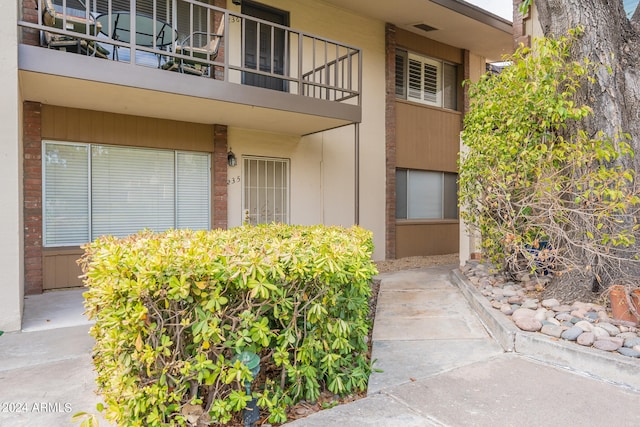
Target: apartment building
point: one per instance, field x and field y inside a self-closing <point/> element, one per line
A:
<point x="120" y="115"/>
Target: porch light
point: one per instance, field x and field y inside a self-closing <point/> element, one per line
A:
<point x="231" y="159"/>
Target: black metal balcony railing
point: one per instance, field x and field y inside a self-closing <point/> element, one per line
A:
<point x="193" y="37"/>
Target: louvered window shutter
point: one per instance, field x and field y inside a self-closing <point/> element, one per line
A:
<point x="425" y="80"/>
<point x="430" y="73"/>
<point x="414" y="86"/>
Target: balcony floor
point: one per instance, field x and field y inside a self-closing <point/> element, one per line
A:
<point x="70" y="80"/>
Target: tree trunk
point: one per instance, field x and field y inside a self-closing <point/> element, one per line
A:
<point x="610" y="39"/>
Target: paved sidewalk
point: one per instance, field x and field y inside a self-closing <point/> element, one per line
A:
<point x="440" y="366"/>
<point x="46" y="374"/>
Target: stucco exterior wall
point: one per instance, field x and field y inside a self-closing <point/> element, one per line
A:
<point x="532" y="24"/>
<point x="304" y="170"/>
<point x="11" y="258"/>
<point x="322" y="164"/>
<point x="367" y="34"/>
<point x="470" y="241"/>
<point x="476" y="66"/>
<point x="322" y="180"/>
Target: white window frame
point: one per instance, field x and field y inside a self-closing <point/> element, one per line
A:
<point x="250" y="214"/>
<point x="424" y="89"/>
<point x="90" y="147"/>
<point x="422" y="92"/>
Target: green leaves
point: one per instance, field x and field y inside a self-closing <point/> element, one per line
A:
<point x="172" y="309"/>
<point x="260" y="289"/>
<point x="530" y="172"/>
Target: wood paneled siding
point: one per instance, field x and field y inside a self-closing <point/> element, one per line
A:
<point x="437" y="238"/>
<point x="427" y="137"/>
<point x="61" y="269"/>
<point x="418" y="44"/>
<point x="76" y="125"/>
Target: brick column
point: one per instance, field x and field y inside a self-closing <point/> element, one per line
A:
<point x="390" y="140"/>
<point x="218" y="72"/>
<point x="466" y="75"/>
<point x="32" y="166"/>
<point x="219" y="177"/>
<point x="519" y="31"/>
<point x="30" y="14"/>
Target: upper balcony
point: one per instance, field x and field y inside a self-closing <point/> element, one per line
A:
<point x="187" y="60"/>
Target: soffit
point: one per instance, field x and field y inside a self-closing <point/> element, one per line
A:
<point x="457" y="23"/>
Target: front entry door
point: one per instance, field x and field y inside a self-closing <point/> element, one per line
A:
<point x="264" y="46"/>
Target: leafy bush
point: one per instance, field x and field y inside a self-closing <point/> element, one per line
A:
<point x="172" y="309"/>
<point x="543" y="199"/>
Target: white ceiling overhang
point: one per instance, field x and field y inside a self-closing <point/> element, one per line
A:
<point x="457" y="23"/>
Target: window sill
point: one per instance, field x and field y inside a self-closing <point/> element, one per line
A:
<point x="61" y="250"/>
<point x="426" y="221"/>
<point x="431" y="107"/>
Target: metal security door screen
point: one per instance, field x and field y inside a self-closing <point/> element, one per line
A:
<point x="266" y="190"/>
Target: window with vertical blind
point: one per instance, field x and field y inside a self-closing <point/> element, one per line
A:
<point x="92" y="190"/>
<point x="426" y="194"/>
<point x="426" y="80"/>
<point x="266" y="190"/>
<point x="65" y="194"/>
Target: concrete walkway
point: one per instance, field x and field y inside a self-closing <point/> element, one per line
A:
<point x="440" y="365"/>
<point x="442" y="368"/>
<point x="46" y="374"/>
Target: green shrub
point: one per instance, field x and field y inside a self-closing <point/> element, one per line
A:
<point x="172" y="309"/>
<point x="546" y="198"/>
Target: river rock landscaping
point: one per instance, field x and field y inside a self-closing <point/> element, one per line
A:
<point x="585" y="323"/>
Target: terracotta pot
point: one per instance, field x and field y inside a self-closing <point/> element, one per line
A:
<point x="620" y="304"/>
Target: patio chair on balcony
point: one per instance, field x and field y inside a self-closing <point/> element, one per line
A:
<point x="199" y="46"/>
<point x="76" y="21"/>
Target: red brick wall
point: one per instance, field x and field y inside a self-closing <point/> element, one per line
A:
<point x="220" y="177"/>
<point x="218" y="72"/>
<point x="466" y="74"/>
<point x="32" y="164"/>
<point x="519" y="32"/>
<point x="390" y="137"/>
<point x="30" y="14"/>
